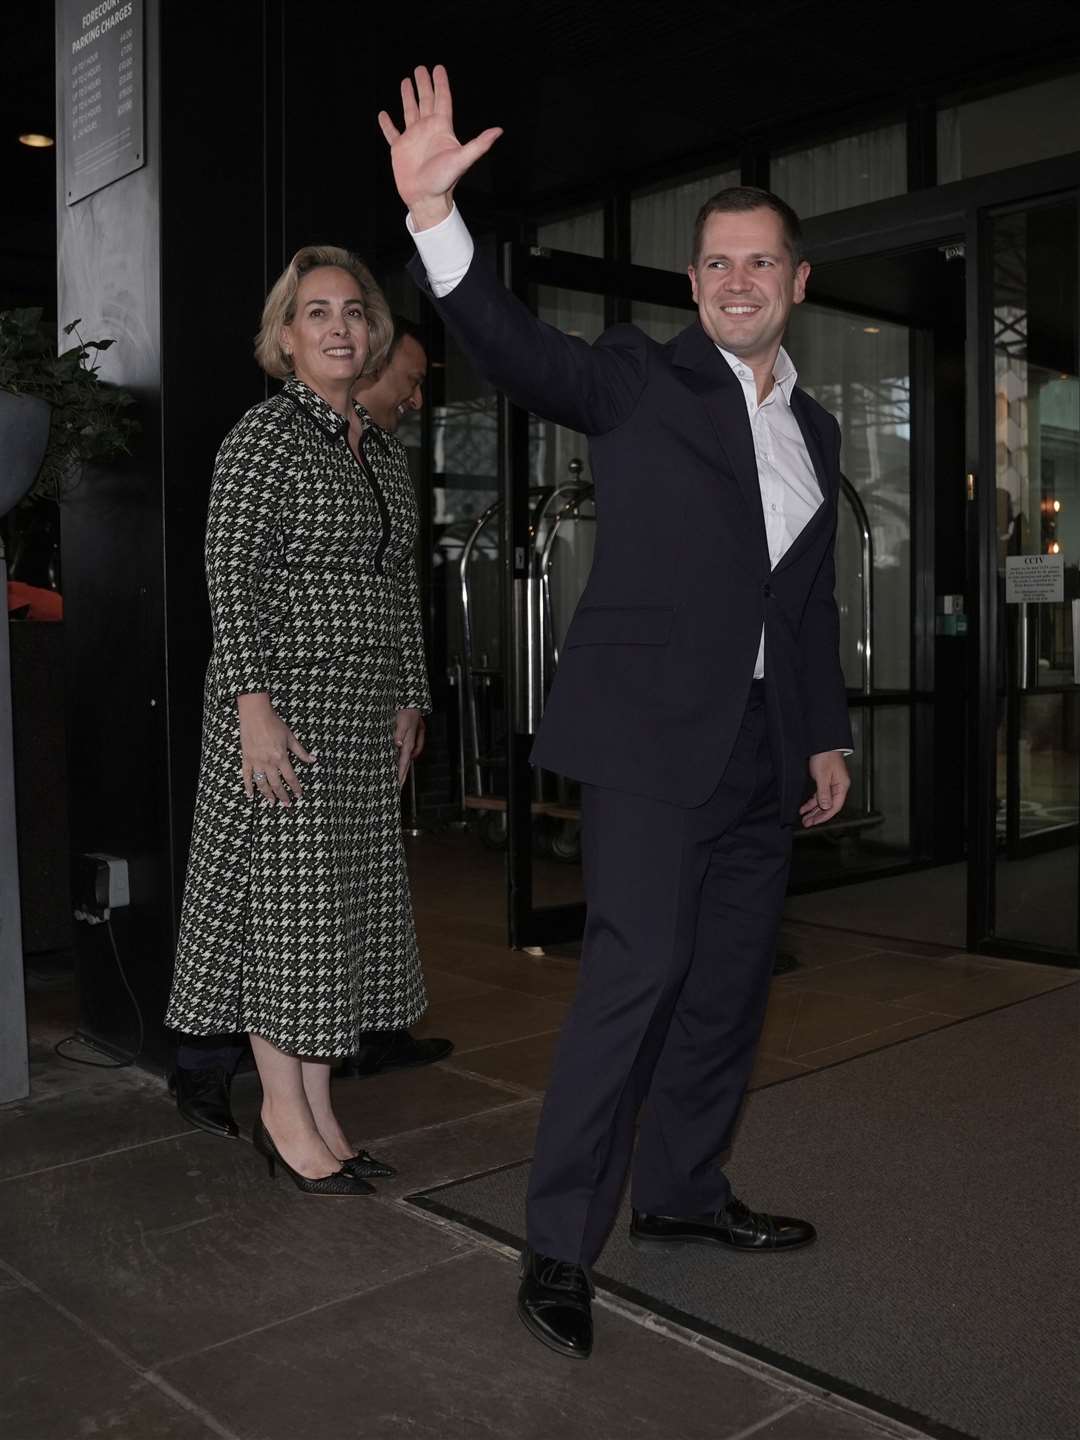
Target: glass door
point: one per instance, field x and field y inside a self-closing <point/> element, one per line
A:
<point x="1029" y="378"/>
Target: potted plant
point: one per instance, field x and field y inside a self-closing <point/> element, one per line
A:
<point x="90" y="423"/>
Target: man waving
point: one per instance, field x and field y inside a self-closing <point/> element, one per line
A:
<point x="699" y="698"/>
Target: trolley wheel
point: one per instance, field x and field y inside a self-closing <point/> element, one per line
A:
<point x="566" y="842"/>
<point x="492" y="829"/>
<point x="543" y="835"/>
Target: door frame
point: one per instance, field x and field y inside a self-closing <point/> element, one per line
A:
<point x="990" y="618"/>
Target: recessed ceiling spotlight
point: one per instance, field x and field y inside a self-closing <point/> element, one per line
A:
<point x="36" y="141"/>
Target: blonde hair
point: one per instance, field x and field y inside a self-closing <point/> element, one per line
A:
<point x="280" y="308"/>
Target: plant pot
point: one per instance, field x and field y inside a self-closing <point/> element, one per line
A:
<point x="24" y="433"/>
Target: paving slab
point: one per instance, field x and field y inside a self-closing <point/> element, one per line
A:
<point x="443" y="1357"/>
<point x="186" y="1243"/>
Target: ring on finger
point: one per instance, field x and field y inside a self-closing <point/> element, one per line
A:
<point x="258" y="774"/>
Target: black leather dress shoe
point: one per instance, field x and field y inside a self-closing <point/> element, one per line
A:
<point x="555" y="1302"/>
<point x="202" y="1098"/>
<point x="736" y="1227"/>
<point x="391" y="1050"/>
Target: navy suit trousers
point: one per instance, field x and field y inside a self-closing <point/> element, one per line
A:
<point x="683" y="911"/>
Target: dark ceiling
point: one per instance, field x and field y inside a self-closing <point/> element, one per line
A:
<point x="591" y="93"/>
<point x="632" y="88"/>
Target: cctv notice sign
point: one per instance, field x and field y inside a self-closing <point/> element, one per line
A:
<point x="101" y="81"/>
<point x="1034" y="579"/>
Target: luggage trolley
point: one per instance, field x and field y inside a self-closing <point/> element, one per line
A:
<point x="564" y="559"/>
<point x="867" y="817"/>
<point x="563" y="521"/>
<point x="478" y="676"/>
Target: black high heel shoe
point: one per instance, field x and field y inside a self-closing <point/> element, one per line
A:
<point x="341" y="1182"/>
<point x="364" y="1164"/>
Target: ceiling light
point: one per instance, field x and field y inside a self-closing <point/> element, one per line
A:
<point x="1057" y="506"/>
<point x="871" y="329"/>
<point x="1055" y="548"/>
<point x="36" y="141"/>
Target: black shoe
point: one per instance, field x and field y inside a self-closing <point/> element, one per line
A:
<point x="391" y="1050"/>
<point x="555" y="1302"/>
<point x="736" y="1227"/>
<point x="364" y="1164"/>
<point x="202" y="1098"/>
<point x="340" y="1182"/>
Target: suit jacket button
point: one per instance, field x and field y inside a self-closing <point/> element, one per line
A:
<point x="768" y="592"/>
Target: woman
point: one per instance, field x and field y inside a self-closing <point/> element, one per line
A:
<point x="297" y="923"/>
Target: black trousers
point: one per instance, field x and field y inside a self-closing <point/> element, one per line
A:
<point x="683" y="912"/>
<point x="209" y="1052"/>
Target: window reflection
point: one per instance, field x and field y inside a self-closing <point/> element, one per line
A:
<point x="1015" y="127"/>
<point x="859" y="369"/>
<point x="850" y="171"/>
<point x="662" y="219"/>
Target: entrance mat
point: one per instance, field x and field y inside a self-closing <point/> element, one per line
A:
<point x="942" y="1175"/>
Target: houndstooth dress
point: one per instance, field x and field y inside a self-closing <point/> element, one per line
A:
<point x="297" y="922"/>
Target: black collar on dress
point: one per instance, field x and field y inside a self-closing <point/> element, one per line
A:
<point x="333" y="425"/>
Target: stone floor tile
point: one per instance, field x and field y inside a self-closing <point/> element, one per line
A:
<point x="443" y="1357"/>
<point x="502" y="1015"/>
<point x="899" y="944"/>
<point x="542" y="975"/>
<point x="889" y="976"/>
<point x="768" y="1069"/>
<point x="448" y="984"/>
<point x="812" y="1421"/>
<point x="522" y="1062"/>
<point x="815" y="948"/>
<point x="442" y="1153"/>
<point x="434" y="923"/>
<point x="57" y="1128"/>
<point x="372" y="1106"/>
<point x="996" y="988"/>
<point x="57" y="1382"/>
<point x="802" y="1020"/>
<point x="910" y="1029"/>
<point x="117" y="1240"/>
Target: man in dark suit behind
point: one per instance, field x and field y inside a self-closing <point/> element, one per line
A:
<point x="699" y="682"/>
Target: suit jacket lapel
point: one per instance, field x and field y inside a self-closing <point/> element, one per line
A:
<point x="708" y="374"/>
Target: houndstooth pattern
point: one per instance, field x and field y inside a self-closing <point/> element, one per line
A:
<point x="297" y="923"/>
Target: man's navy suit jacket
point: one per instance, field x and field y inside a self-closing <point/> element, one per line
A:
<point x="655" y="671"/>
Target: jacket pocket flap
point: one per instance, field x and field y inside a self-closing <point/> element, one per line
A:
<point x="621" y="625"/>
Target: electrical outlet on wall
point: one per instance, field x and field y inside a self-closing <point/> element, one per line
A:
<point x="101" y="885"/>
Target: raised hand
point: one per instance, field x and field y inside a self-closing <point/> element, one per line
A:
<point x="427" y="157"/>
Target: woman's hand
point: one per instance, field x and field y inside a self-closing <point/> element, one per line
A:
<point x="409" y="739"/>
<point x="265" y="744"/>
<point x="427" y="157"/>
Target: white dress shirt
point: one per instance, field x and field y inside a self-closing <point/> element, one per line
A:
<point x="790" y="493"/>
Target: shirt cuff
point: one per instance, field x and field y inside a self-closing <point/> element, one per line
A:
<point x="446" y="251"/>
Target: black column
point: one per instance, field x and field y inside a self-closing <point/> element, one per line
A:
<point x="252" y="149"/>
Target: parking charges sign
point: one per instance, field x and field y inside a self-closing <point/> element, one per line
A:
<point x="102" y="93"/>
